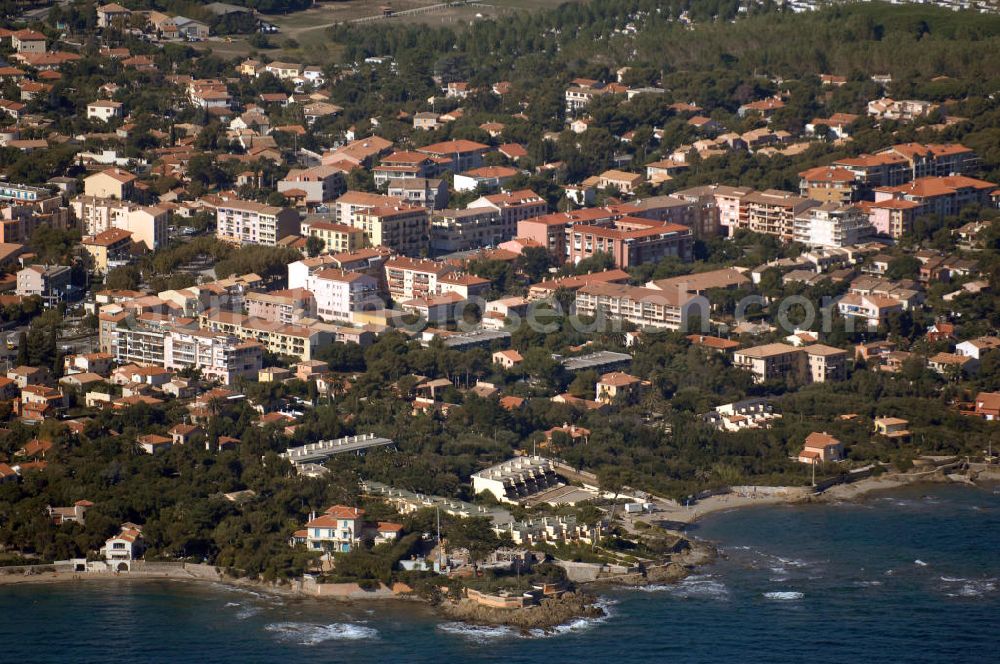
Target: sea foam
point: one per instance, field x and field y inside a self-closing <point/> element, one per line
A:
<point x="784" y="595"/>
<point x="699" y="586"/>
<point x="310" y="634"/>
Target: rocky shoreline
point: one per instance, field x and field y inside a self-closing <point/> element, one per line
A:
<point x="676" y="569"/>
<point x="549" y="613"/>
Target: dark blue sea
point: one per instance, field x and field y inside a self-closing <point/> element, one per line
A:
<point x="912" y="576"/>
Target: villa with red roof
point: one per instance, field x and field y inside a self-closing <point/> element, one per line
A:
<point x="821" y="448"/>
<point x="340" y="528"/>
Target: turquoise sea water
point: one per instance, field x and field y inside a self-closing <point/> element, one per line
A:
<point x="912" y="576"/>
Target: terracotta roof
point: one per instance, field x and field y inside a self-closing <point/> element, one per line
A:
<point x="827" y="174"/>
<point x="712" y="342"/>
<point x="618" y="379"/>
<point x="826" y="351"/>
<point x="938" y="186"/>
<point x="768" y="350"/>
<point x="389" y="527"/>
<point x="118" y="174"/>
<point x="108" y="237"/>
<point x="344" y="512"/>
<point x="453" y="147"/>
<point x="819" y="440"/>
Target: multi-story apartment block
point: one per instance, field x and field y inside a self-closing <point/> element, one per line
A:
<point x="110" y="183"/>
<point x="816" y="363"/>
<point x="514" y="207"/>
<point x="148" y="225"/>
<point x="630" y="241"/>
<point x="431" y="193"/>
<point x="136" y="339"/>
<point x="50" y="282"/>
<point x="773" y="362"/>
<point x="552" y="230"/>
<point x="773" y="212"/>
<point x="404" y="165"/>
<point x="409" y="278"/>
<point x="340" y="293"/>
<point x="174" y="344"/>
<point x="218" y="357"/>
<point x="463" y="230"/>
<point x="693" y="209"/>
<point x="20" y="219"/>
<point x="828" y="184"/>
<point x="935" y="159"/>
<point x="402" y="228"/>
<point x="833" y="225"/>
<point x="287" y="306"/>
<point x="938" y="196"/>
<point x="900" y="164"/>
<point x="296" y="341"/>
<point x="353" y="202"/>
<point x="369" y="261"/>
<point x="107" y="250"/>
<point x="645" y="307"/>
<point x="826" y="363"/>
<point x="248" y="222"/>
<point x="716" y="208"/>
<point x="336" y="237"/>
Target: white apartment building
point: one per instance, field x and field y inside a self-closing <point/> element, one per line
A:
<point x="218" y="357"/>
<point x="339" y="293"/>
<point x="833" y="225"/>
<point x="411" y="278"/>
<point x="152" y="340"/>
<point x="249" y="222"/>
<point x="301" y="271"/>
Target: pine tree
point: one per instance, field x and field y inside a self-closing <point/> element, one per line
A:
<point x="22" y="349"/>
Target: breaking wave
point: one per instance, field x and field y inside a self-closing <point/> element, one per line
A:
<point x="310" y="634"/>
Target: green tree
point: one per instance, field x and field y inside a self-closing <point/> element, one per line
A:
<point x="314" y="245"/>
<point x="904" y="267"/>
<point x="475" y="534"/>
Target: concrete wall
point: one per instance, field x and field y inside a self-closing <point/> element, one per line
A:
<point x="344" y="590"/>
<point x="580" y="572"/>
<point x="497" y="601"/>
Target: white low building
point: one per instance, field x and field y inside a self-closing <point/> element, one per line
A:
<point x="740" y="415"/>
<point x="515" y="480"/>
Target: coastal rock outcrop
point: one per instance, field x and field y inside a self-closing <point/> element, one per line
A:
<point x="547" y="614"/>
